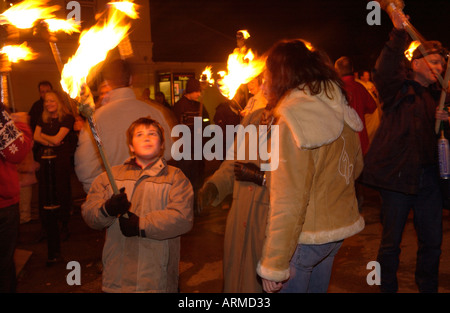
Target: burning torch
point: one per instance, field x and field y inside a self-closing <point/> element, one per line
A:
<point x="94" y="46"/>
<point x="86" y="109"/>
<point x="397" y="6"/>
<point x="31" y="13"/>
<point x="11" y="54"/>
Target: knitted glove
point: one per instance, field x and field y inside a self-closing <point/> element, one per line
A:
<point x="117" y="204"/>
<point x="129" y="225"/>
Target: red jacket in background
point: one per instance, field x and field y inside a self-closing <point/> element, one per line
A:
<point x="15" y="143"/>
<point x="360" y="100"/>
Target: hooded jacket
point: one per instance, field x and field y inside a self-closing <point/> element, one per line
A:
<point x="312" y="194"/>
<point x="162" y="197"/>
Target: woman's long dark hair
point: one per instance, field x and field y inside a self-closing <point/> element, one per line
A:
<point x="291" y="64"/>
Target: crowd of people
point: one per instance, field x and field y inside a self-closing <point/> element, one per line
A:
<point x="285" y="226"/>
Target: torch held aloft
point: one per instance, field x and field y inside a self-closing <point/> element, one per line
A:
<point x="397" y="6"/>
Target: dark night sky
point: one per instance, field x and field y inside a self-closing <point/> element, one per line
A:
<point x="204" y="30"/>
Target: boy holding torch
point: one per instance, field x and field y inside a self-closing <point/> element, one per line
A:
<point x="142" y="246"/>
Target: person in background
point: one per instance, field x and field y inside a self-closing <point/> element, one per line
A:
<point x="247" y="219"/>
<point x="15" y="145"/>
<point x="103" y="95"/>
<point x="363" y="103"/>
<point x="372" y="120"/>
<point x="112" y="121"/>
<point x="35" y="112"/>
<point x="257" y="101"/>
<point x="402" y="161"/>
<point x="313" y="205"/>
<point x="166" y="111"/>
<point x="358" y="97"/>
<point x="186" y="110"/>
<point x="145" y="94"/>
<point x="364" y="79"/>
<point x="27" y="177"/>
<point x="161" y="98"/>
<point x="229" y="113"/>
<point x="143" y="228"/>
<point x="53" y="133"/>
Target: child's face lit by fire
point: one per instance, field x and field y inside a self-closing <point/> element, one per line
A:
<point x="146" y="145"/>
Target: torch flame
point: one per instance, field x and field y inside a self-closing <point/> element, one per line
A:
<point x="245" y="34"/>
<point x="95" y="44"/>
<point x="67" y="26"/>
<point x="26" y="13"/>
<point x="308" y="45"/>
<point x="126" y="7"/>
<point x="241" y="70"/>
<point x="412" y="47"/>
<point x="16" y="53"/>
<point x="207" y="75"/>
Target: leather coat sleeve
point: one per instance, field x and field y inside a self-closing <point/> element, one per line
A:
<point x="290" y="186"/>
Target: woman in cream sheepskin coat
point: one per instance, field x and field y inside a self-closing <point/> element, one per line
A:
<point x="313" y="206"/>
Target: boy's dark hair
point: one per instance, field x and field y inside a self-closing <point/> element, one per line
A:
<point x="147" y="121"/>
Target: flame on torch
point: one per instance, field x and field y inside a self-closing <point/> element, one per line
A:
<point x="245" y="34"/>
<point x="66" y="26"/>
<point x="16" y="53"/>
<point x="26" y="13"/>
<point x="207" y="75"/>
<point x="391" y="6"/>
<point x="95" y="44"/>
<point x="241" y="70"/>
<point x="125" y="7"/>
<point x="412" y="47"/>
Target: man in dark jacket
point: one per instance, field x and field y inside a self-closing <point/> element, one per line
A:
<point x="185" y="111"/>
<point x="402" y="160"/>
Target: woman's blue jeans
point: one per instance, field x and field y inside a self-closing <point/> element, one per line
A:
<point x="427" y="208"/>
<point x="310" y="268"/>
